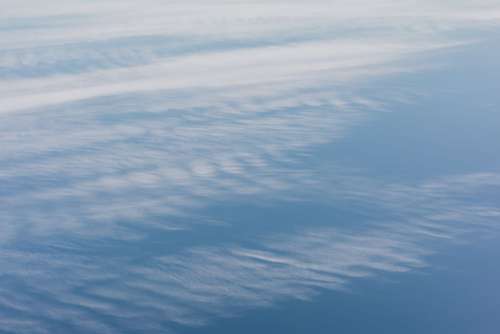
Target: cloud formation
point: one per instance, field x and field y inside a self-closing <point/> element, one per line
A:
<point x="196" y="285"/>
<point x="114" y="118"/>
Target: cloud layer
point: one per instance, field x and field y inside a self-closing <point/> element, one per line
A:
<point x="156" y="292"/>
<point x="117" y="117"/>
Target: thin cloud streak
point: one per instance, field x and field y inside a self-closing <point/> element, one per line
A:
<point x="307" y="65"/>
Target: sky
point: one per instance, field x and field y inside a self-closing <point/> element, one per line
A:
<point x="195" y="166"/>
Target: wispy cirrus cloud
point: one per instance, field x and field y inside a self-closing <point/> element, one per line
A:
<point x="116" y="117"/>
<point x="198" y="285"/>
<point x="150" y="140"/>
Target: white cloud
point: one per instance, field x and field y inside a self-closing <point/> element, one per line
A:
<point x="197" y="285"/>
<point x="139" y="111"/>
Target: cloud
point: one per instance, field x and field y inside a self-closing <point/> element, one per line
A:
<point x="198" y="285"/>
<point x="115" y="118"/>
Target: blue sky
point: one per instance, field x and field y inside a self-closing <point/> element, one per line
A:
<point x="126" y="128"/>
